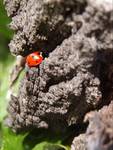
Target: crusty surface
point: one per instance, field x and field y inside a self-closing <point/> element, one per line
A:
<point x="62" y="87"/>
<point x="36" y="22"/>
<point x="76" y="74"/>
<point x="79" y="143"/>
<point x="99" y="135"/>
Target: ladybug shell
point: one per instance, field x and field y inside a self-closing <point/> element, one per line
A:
<point x="34" y="59"/>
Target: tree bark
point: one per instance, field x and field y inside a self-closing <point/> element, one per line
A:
<point x="76" y="39"/>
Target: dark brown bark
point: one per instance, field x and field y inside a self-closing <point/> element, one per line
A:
<point x="76" y="74"/>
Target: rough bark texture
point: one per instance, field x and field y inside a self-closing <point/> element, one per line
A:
<point x="38" y="21"/>
<point x="75" y="77"/>
<point x="61" y="90"/>
<point x="99" y="135"/>
<point x="79" y="143"/>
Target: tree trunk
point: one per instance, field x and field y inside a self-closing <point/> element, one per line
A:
<point x="75" y="77"/>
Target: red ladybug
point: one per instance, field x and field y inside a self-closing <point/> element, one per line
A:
<point x="34" y="59"/>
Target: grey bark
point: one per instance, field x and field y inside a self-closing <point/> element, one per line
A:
<point x="99" y="135"/>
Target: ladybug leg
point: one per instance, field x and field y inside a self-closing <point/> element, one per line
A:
<point x="18" y="67"/>
<point x="26" y="70"/>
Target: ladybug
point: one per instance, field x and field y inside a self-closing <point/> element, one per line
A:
<point x="34" y="59"/>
